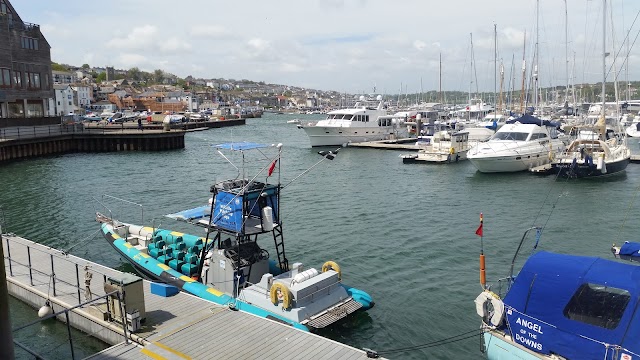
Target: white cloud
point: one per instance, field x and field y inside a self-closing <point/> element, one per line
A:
<point x="173" y="44"/>
<point x="210" y="31"/>
<point x="128" y="60"/>
<point x="419" y="45"/>
<point x="139" y="38"/>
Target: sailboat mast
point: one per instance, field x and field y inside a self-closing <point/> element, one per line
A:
<point x="495" y="67"/>
<point x="440" y="77"/>
<point x="604" y="53"/>
<point x="524" y="72"/>
<point x="566" y="50"/>
<point x="471" y="80"/>
<point x="536" y="56"/>
<point x="501" y="83"/>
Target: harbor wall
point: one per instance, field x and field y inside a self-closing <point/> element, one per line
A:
<point x="90" y="142"/>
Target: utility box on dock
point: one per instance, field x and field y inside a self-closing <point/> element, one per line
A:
<point x="131" y="292"/>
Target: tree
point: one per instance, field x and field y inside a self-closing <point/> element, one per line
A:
<point x="58" y="67"/>
<point x="101" y="77"/>
<point x="134" y="73"/>
<point x="86" y="66"/>
<point x="158" y="75"/>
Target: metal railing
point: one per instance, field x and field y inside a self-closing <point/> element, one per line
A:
<point x="43" y="131"/>
<point x="56" y="262"/>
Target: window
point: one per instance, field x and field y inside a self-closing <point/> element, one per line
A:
<point x="32" y="80"/>
<point x="17" y="79"/>
<point x="518" y="136"/>
<point x="366" y="118"/>
<point x="3" y="7"/>
<point x="5" y="77"/>
<point x="29" y="43"/>
<point x="597" y="305"/>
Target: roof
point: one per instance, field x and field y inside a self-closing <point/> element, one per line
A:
<point x="547" y="283"/>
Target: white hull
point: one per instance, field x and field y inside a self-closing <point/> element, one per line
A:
<point x="435" y="157"/>
<point x="336" y="136"/>
<point x="632" y="131"/>
<point x="511" y="163"/>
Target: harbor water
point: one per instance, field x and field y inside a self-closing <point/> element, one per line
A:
<point x="403" y="233"/>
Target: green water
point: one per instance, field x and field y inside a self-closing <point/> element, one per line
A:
<point x="403" y="233"/>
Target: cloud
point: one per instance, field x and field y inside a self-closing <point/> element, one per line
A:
<point x="210" y="31"/>
<point x="419" y="45"/>
<point x="139" y="37"/>
<point x="173" y="44"/>
<point x="343" y="39"/>
<point x="129" y="60"/>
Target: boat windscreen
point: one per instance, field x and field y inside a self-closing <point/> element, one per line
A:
<point x="191" y="214"/>
<point x="517" y="136"/>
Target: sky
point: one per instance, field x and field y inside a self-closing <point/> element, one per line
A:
<point x="349" y="46"/>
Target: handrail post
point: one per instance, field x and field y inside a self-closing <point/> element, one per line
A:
<point x="78" y="283"/>
<point x="73" y="356"/>
<point x="53" y="276"/>
<point x="30" y="269"/>
<point x="9" y="257"/>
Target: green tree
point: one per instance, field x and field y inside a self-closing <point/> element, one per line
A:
<point x="86" y="66"/>
<point x="58" y="67"/>
<point x="101" y="77"/>
<point x="134" y="73"/>
<point x="158" y="75"/>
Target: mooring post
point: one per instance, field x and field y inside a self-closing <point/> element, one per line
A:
<point x="73" y="356"/>
<point x="53" y="276"/>
<point x="30" y="270"/>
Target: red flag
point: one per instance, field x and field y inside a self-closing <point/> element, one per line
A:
<point x="479" y="230"/>
<point x="272" y="167"/>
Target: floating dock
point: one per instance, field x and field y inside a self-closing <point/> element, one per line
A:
<point x="400" y="144"/>
<point x="179" y="327"/>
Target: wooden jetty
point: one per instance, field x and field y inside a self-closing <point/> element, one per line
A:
<point x="180" y="327"/>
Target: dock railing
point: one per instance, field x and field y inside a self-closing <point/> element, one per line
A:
<point x="53" y="273"/>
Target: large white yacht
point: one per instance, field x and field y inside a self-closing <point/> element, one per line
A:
<point x="519" y="145"/>
<point x="363" y="122"/>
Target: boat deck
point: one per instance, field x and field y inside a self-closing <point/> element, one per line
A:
<point x="180" y="327"/>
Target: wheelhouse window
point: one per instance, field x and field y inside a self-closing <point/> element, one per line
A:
<point x="518" y="136"/>
<point x="598" y="305"/>
<point x="347" y="116"/>
<point x="538" y="136"/>
<point x="5" y="77"/>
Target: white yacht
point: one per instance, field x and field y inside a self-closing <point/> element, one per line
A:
<point x="444" y="147"/>
<point x="519" y="145"/>
<point x="361" y="123"/>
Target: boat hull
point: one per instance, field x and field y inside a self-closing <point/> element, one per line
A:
<point x="581" y="170"/>
<point x="336" y="136"/>
<point x="434" y="158"/>
<point x="498" y="347"/>
<point x="512" y="163"/>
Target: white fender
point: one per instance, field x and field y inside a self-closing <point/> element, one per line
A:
<point x="494" y="318"/>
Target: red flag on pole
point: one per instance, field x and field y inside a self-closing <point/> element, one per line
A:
<point x="272" y="167"/>
<point x="479" y="230"/>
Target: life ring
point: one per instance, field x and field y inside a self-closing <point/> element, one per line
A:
<point x="333" y="266"/>
<point x="284" y="295"/>
<point x="493" y="317"/>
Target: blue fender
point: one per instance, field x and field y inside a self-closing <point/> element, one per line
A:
<point x="360" y="296"/>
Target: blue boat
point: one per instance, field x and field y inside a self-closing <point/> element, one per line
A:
<point x="229" y="266"/>
<point x="563" y="307"/>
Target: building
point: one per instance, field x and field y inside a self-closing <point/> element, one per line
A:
<point x="63" y="77"/>
<point x="25" y="67"/>
<point x="64" y="99"/>
<point x="82" y="95"/>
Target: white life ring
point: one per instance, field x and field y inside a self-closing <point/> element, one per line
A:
<point x="491" y="318"/>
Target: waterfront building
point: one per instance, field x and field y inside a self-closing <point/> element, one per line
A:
<point x="82" y="95"/>
<point x="63" y="99"/>
<point x="25" y="67"/>
<point x="63" y="77"/>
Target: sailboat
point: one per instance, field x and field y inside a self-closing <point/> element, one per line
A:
<point x="596" y="150"/>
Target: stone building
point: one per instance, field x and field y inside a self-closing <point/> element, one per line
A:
<point x="25" y="67"/>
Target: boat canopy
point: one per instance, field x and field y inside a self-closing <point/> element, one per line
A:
<point x="574" y="305"/>
<point x="529" y="119"/>
<point x="240" y="146"/>
<point x="190" y="215"/>
<point x="630" y="249"/>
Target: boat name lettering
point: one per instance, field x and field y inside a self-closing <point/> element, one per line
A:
<point x="529" y="342"/>
<point x="529" y="325"/>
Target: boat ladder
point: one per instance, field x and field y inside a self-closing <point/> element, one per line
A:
<point x="278" y="239"/>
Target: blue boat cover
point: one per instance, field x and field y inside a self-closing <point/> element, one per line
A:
<point x="191" y="214"/>
<point x="540" y="318"/>
<point x="530" y="119"/>
<point x="240" y="146"/>
<point x="630" y="249"/>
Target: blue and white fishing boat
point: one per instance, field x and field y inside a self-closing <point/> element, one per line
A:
<point x="563" y="307"/>
<point x="229" y="266"/>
